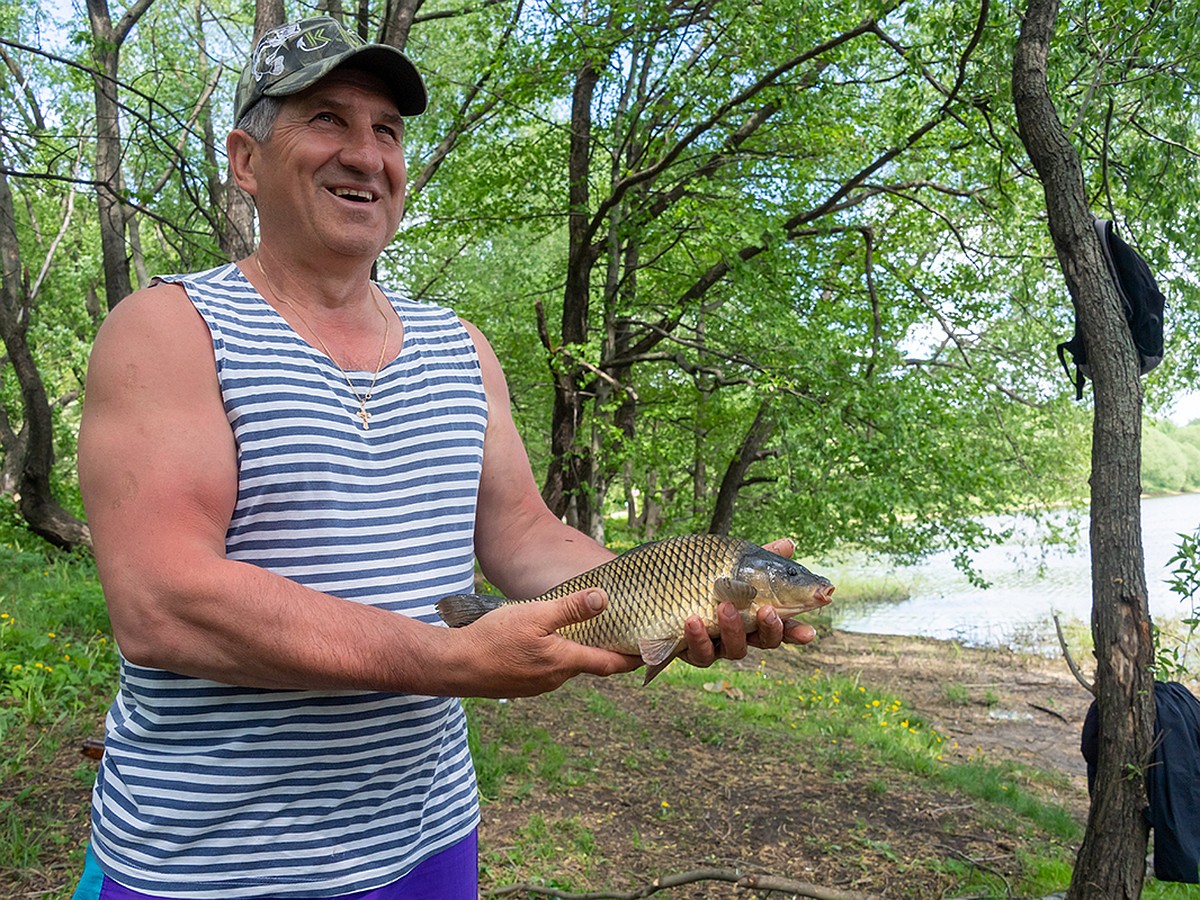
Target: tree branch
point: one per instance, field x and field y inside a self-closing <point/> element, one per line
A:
<point x="756" y="882"/>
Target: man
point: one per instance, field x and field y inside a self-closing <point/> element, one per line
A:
<point x="284" y="468"/>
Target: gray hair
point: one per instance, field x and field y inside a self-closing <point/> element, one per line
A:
<point x="259" y="120"/>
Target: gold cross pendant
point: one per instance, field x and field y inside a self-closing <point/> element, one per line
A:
<point x="364" y="415"/>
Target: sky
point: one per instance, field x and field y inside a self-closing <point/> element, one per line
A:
<point x="1185" y="408"/>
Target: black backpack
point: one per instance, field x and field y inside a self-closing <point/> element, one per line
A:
<point x="1141" y="298"/>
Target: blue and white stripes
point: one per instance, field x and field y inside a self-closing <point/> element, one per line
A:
<point x="213" y="791"/>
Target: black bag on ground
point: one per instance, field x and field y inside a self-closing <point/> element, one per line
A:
<point x="1142" y="300"/>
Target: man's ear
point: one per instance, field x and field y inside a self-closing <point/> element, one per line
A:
<point x="243" y="154"/>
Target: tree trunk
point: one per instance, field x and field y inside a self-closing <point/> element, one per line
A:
<point x="1111" y="862"/>
<point x="29" y="458"/>
<point x="398" y="22"/>
<point x="563" y="480"/>
<point x="735" y="473"/>
<point x="237" y="237"/>
<point x="106" y="49"/>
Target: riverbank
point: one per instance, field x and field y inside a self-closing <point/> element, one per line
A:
<point x="1026" y="708"/>
<point x="890" y="765"/>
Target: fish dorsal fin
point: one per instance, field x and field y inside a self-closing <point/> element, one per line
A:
<point x="657" y="654"/>
<point x="739" y="593"/>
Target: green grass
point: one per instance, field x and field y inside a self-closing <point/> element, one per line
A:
<point x="57" y="658"/>
<point x="848" y="728"/>
<point x="58" y="670"/>
<point x="832" y="712"/>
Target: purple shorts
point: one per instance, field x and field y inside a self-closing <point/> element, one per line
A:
<point x="452" y="874"/>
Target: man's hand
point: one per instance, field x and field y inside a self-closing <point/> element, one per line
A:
<point x="514" y="651"/>
<point x="734" y="642"/>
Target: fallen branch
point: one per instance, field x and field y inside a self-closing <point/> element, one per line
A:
<point x="1049" y="711"/>
<point x="758" y="882"/>
<point x="1062" y="642"/>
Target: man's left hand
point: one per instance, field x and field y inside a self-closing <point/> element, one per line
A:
<point x="734" y="642"/>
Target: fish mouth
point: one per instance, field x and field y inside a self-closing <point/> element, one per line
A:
<point x="822" y="595"/>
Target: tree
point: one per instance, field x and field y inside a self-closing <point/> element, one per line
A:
<point x="107" y="39"/>
<point x="1111" y="861"/>
<point x="51" y="222"/>
<point x="667" y="218"/>
<point x="29" y="451"/>
<point x="715" y="207"/>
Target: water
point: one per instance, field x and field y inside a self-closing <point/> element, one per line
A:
<point x="1026" y="587"/>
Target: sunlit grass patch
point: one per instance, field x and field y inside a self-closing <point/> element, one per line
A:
<point x="56" y="655"/>
<point x="851" y="725"/>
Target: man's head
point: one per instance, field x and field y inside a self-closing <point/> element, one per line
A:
<point x="294" y="57"/>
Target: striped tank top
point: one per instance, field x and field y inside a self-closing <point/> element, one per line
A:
<point x="212" y="791"/>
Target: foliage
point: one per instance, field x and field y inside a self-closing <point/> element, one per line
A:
<point x="1172" y="657"/>
<point x="1170" y="458"/>
<point x="886" y="293"/>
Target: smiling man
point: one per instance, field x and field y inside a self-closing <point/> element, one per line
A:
<point x="285" y="465"/>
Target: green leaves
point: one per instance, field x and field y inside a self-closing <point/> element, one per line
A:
<point x="820" y="205"/>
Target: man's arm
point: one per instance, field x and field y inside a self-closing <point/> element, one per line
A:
<point x="159" y="478"/>
<point x="522" y="547"/>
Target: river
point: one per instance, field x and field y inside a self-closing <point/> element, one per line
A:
<point x="1026" y="587"/>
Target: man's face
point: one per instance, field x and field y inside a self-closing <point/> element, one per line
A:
<point x="331" y="178"/>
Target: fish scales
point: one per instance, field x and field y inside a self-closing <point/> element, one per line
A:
<point x="653" y="589"/>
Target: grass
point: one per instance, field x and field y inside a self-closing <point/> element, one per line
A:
<point x="830" y="709"/>
<point x="58" y="669"/>
<point x="56" y="654"/>
<point x="828" y="720"/>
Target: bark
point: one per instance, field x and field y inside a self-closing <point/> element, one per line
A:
<point x="750" y="451"/>
<point x="109" y="187"/>
<point x="29" y="452"/>
<point x="563" y="480"/>
<point x="237" y="237"/>
<point x="398" y="22"/>
<point x="1111" y="861"/>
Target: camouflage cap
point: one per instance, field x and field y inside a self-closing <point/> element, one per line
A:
<point x="295" y="56"/>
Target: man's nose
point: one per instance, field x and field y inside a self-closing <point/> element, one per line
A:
<point x="360" y="150"/>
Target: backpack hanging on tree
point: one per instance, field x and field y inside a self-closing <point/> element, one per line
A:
<point x="1141" y="299"/>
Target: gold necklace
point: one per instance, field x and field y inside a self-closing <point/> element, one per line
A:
<point x="387" y="331"/>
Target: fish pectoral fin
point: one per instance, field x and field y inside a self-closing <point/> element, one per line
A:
<point x="739" y="593"/>
<point x="657" y="651"/>
<point x="657" y="654"/>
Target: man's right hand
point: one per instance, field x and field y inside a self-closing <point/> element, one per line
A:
<point x="519" y="645"/>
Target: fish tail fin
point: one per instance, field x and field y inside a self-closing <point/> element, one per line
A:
<point x="458" y="610"/>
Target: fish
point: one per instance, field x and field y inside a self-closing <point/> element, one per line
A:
<point x="655" y="587"/>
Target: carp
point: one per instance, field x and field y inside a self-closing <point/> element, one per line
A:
<point x="654" y="588"/>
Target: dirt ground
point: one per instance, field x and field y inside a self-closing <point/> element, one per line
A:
<point x="1010" y="706"/>
<point x="651" y="782"/>
<point x="674" y="797"/>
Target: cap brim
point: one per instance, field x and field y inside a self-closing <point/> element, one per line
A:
<point x="396" y="70"/>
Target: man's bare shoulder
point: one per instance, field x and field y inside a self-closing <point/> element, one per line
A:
<point x="153" y="339"/>
<point x="157" y="319"/>
<point x="161" y="305"/>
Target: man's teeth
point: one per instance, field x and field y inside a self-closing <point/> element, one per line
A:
<point x="354" y="195"/>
